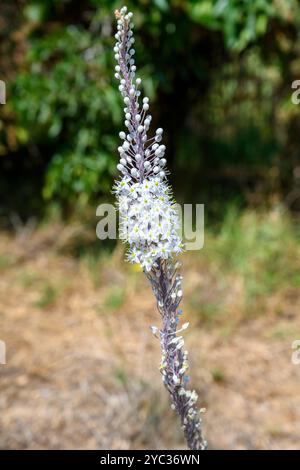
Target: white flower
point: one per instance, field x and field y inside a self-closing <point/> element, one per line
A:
<point x="148" y="220"/>
<point x="176" y="380"/>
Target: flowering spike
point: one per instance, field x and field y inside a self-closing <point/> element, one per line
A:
<point x="149" y="224"/>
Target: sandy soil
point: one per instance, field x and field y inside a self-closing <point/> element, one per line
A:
<point x="82" y="365"/>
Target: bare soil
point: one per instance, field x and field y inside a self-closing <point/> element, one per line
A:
<point x="82" y="365"/>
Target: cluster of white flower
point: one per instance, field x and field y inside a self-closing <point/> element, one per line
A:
<point x="149" y="221"/>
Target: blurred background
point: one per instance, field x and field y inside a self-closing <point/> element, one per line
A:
<point x="82" y="366"/>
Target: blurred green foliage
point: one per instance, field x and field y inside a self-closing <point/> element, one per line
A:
<point x="219" y="74"/>
<point x="241" y="22"/>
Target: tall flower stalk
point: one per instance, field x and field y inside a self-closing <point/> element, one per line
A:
<point x="149" y="224"/>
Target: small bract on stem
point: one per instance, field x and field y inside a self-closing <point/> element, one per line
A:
<point x="149" y="225"/>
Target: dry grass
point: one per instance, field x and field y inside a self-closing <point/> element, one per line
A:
<point x="82" y="364"/>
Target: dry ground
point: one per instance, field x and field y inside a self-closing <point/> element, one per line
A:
<point x="82" y="365"/>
